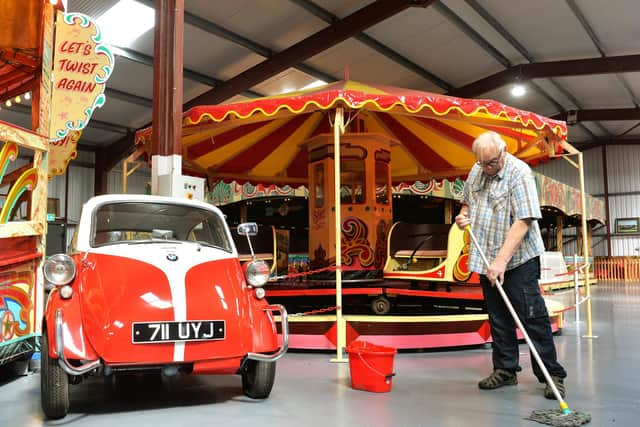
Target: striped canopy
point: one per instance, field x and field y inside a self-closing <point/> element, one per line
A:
<point x="263" y="140"/>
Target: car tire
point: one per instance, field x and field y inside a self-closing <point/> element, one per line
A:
<point x="381" y="306"/>
<point x="258" y="378"/>
<point x="54" y="384"/>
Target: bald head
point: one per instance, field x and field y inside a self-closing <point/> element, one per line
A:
<point x="488" y="140"/>
<point x="489" y="149"/>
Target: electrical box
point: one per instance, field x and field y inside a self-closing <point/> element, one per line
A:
<point x="189" y="187"/>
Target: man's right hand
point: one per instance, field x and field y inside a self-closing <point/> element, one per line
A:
<point x="462" y="220"/>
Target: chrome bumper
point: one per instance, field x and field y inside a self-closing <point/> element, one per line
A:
<point x="284" y="322"/>
<point x="64" y="364"/>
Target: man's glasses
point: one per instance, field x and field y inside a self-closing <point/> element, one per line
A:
<point x="491" y="163"/>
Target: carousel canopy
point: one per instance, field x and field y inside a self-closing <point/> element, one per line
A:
<point x="264" y="140"/>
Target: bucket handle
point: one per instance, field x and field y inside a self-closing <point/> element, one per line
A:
<point x="387" y="377"/>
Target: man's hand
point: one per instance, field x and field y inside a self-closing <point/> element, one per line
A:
<point x="462" y="220"/>
<point x="496" y="271"/>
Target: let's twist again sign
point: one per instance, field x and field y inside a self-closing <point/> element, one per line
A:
<point x="81" y="68"/>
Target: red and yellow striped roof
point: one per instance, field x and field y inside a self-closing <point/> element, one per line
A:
<point x="263" y="140"/>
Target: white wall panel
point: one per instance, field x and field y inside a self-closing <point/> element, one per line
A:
<point x="81" y="188"/>
<point x="623" y="167"/>
<point x="563" y="171"/>
<point x="136" y="182"/>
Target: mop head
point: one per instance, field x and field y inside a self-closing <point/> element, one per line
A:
<point x="555" y="417"/>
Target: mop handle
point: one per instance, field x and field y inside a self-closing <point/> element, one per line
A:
<point x="563" y="404"/>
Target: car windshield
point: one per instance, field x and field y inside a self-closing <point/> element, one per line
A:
<point x="142" y="222"/>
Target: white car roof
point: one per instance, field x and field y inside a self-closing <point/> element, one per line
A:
<point x="84" y="226"/>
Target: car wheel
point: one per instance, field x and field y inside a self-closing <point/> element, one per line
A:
<point x="381" y="306"/>
<point x="258" y="378"/>
<point x="54" y="384"/>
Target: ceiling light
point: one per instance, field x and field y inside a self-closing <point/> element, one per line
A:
<point x="518" y="90"/>
<point x="125" y="22"/>
<point x="314" y="84"/>
<point x="8" y="103"/>
<point x="27" y="96"/>
<point x="18" y="99"/>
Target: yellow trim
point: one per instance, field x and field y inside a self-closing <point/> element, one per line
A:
<point x="480" y="111"/>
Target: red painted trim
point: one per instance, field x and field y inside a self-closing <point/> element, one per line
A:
<point x="436" y="294"/>
<point x="19" y="259"/>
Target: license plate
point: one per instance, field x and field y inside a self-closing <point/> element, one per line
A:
<point x="199" y="330"/>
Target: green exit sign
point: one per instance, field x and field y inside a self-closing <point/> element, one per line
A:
<point x="51" y="217"/>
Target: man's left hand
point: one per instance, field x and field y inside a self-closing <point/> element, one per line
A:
<point x="496" y="271"/>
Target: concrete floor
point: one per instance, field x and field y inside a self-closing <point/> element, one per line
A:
<point x="430" y="389"/>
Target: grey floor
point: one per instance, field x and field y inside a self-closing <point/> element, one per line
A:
<point x="430" y="389"/>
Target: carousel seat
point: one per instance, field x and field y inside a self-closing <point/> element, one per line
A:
<point x="405" y="253"/>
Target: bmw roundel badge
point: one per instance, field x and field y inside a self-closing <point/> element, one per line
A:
<point x="172" y="257"/>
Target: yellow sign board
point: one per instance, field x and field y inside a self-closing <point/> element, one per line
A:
<point x="81" y="67"/>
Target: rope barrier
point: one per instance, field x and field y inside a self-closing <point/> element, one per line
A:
<point x="573" y="307"/>
<point x="310" y="312"/>
<point x="304" y="273"/>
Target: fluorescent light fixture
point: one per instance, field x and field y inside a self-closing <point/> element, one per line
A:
<point x="518" y="90"/>
<point x="125" y="22"/>
<point x="314" y="84"/>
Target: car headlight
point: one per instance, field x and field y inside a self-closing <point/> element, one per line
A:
<point x="59" y="269"/>
<point x="257" y="273"/>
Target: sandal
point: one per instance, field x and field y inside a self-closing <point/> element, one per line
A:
<point x="498" y="378"/>
<point x="559" y="382"/>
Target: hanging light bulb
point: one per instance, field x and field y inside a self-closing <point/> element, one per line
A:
<point x="518" y="90"/>
<point x="27" y="96"/>
<point x="18" y="99"/>
<point x="8" y="103"/>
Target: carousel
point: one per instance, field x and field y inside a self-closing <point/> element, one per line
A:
<point x="349" y="151"/>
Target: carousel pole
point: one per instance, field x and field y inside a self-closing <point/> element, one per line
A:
<point x="585" y="245"/>
<point x="338" y="128"/>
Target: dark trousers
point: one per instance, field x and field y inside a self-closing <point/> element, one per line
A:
<point x="521" y="286"/>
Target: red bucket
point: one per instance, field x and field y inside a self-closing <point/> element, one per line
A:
<point x="371" y="366"/>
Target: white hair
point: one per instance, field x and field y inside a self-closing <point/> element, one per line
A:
<point x="488" y="139"/>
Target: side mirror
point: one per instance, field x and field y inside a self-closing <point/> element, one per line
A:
<point x="248" y="229"/>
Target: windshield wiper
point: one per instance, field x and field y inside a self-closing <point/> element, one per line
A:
<point x="140" y="242"/>
<point x="209" y="245"/>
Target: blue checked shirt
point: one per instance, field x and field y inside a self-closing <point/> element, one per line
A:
<point x="495" y="202"/>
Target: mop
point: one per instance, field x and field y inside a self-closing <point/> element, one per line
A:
<point x="563" y="417"/>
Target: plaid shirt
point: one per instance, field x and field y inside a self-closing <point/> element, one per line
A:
<point x="495" y="202"/>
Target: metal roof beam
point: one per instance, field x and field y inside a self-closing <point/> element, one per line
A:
<point x="144" y="59"/>
<point x="93" y="123"/>
<point x="599" y="115"/>
<point x="587" y="145"/>
<point x="312" y="45"/>
<point x="376" y="45"/>
<point x="539" y="70"/>
<point x="128" y="97"/>
<point x="497" y="26"/>
<point x="217" y="30"/>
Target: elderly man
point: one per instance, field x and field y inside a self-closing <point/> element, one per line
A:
<point x="501" y="204"/>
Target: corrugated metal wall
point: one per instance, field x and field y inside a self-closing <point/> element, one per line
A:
<point x="81" y="184"/>
<point x="623" y="169"/>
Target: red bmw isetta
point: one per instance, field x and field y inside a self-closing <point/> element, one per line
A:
<point x="154" y="284"/>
